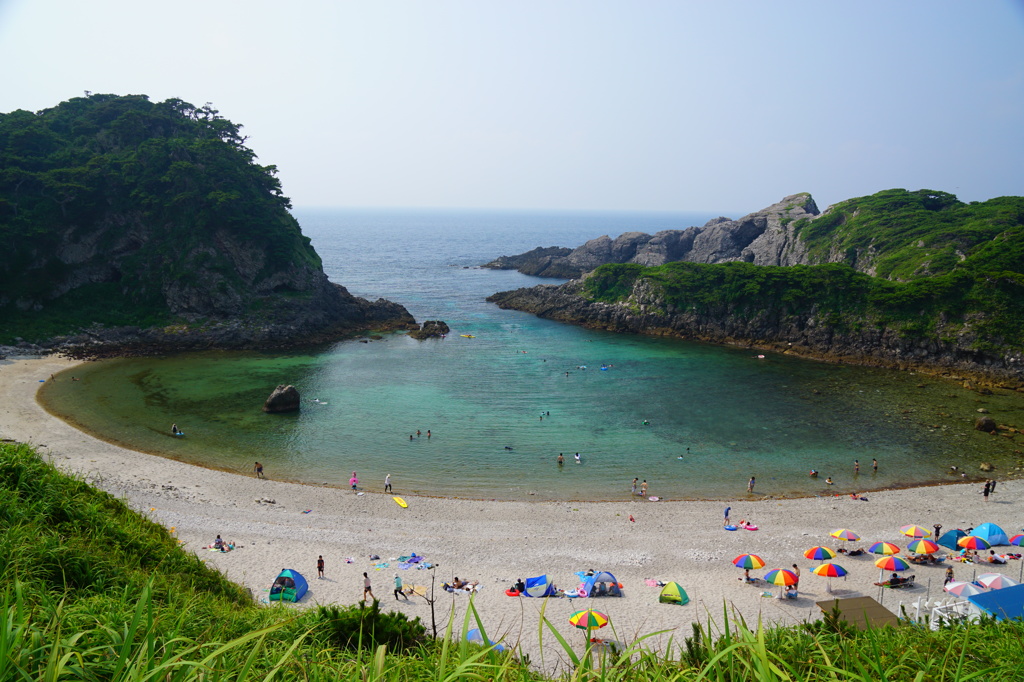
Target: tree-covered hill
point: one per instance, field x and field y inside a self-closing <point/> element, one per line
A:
<point x="898" y="234"/>
<point x="122" y="211"/>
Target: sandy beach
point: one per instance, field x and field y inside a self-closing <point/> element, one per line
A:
<point x="496" y="542"/>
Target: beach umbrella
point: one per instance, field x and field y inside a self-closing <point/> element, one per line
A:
<point x="996" y="581"/>
<point x="884" y="548"/>
<point x="588" y="620"/>
<point x="923" y="547"/>
<point x="962" y="589"/>
<point x="915" y="531"/>
<point x="748" y="561"/>
<point x="781" y="576"/>
<point x="892" y="563"/>
<point x="820" y="553"/>
<point x="973" y="542"/>
<point x="1016" y="539"/>
<point x="829" y="570"/>
<point x="844" y="534"/>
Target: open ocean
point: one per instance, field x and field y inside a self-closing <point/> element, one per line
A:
<point x="695" y="421"/>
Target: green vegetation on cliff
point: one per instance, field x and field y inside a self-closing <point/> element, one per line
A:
<point x="149" y="211"/>
<point x="945" y="270"/>
<point x="89" y="590"/>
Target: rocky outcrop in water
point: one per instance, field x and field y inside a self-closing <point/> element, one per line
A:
<point x="430" y="329"/>
<point x="764" y="237"/>
<point x="283" y="399"/>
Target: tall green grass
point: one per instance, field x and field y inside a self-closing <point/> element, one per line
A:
<point x="91" y="591"/>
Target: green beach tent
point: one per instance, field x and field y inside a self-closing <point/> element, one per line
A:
<point x="673" y="593"/>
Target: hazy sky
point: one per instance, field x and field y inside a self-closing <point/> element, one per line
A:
<point x="706" y="105"/>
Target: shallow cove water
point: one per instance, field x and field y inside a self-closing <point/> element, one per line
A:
<point x="695" y="421"/>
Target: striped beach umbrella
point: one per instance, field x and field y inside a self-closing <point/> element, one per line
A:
<point x="892" y="563"/>
<point x="748" y="561"/>
<point x="962" y="589"/>
<point x="820" y="553"/>
<point x="781" y="576"/>
<point x="923" y="547"/>
<point x="996" y="581"/>
<point x="588" y="620"/>
<point x="973" y="542"/>
<point x="1017" y="539"/>
<point x="915" y="531"/>
<point x="884" y="548"/>
<point x="829" y="570"/>
<point x="844" y="534"/>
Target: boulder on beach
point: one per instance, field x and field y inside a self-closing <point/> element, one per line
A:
<point x="283" y="399"/>
<point x="987" y="424"/>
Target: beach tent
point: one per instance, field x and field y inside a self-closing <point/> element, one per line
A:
<point x="673" y="593"/>
<point x="541" y="586"/>
<point x="949" y="539"/>
<point x="991" y="532"/>
<point x="590" y="581"/>
<point x="288" y="586"/>
<point x="475" y="637"/>
<point x="1004" y="604"/>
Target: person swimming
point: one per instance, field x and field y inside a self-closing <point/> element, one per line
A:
<point x="577" y="456"/>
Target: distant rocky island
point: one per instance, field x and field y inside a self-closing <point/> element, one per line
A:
<point x="903" y="279"/>
<point x="131" y="226"/>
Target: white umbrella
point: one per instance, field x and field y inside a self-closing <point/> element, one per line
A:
<point x="962" y="589"/>
<point x="996" y="581"/>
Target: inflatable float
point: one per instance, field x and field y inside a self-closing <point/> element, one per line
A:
<point x="731" y="527"/>
<point x="512" y="593"/>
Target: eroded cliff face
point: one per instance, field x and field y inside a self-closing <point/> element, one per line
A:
<point x="646" y="312"/>
<point x="765" y="237"/>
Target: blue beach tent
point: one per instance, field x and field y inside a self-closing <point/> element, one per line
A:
<point x="288" y="586"/>
<point x="1004" y="604"/>
<point x="541" y="586"/>
<point x="600" y="577"/>
<point x="477" y="638"/>
<point x="993" y="533"/>
<point x="949" y="539"/>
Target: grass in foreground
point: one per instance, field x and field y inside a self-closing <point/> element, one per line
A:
<point x="92" y="591"/>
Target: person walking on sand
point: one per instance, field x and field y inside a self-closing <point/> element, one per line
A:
<point x="387" y="483"/>
<point x="727" y="510"/>
<point x="949" y="575"/>
<point x="367" y="589"/>
<point x="320" y="567"/>
<point x="398" y="587"/>
<point x="259" y="470"/>
<point x="750" y="485"/>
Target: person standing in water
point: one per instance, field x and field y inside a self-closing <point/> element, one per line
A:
<point x="635" y="481"/>
<point x="174" y="429"/>
<point x="577" y="455"/>
<point x="258" y="468"/>
<point x="561" y="460"/>
<point x="387" y="483"/>
<point x="643" y="488"/>
<point x="750" y="485"/>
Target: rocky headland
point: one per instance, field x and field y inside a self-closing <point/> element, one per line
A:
<point x="908" y="280"/>
<point x="765" y="237"/>
<point x="134" y="227"/>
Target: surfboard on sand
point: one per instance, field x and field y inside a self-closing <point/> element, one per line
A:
<point x="400" y="502"/>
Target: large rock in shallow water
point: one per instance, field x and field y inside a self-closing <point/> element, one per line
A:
<point x="283" y="399"/>
<point x="987" y="424"/>
<point x="430" y="329"/>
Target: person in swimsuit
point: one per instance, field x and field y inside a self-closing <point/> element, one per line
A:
<point x="367" y="589"/>
<point x="320" y="567"/>
<point x="577" y="458"/>
<point x="259" y="470"/>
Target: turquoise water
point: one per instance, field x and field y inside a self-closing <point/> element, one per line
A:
<point x="694" y="420"/>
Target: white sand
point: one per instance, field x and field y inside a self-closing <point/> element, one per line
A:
<point x="496" y="542"/>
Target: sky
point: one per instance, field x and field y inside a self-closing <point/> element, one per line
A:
<point x="720" y="106"/>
